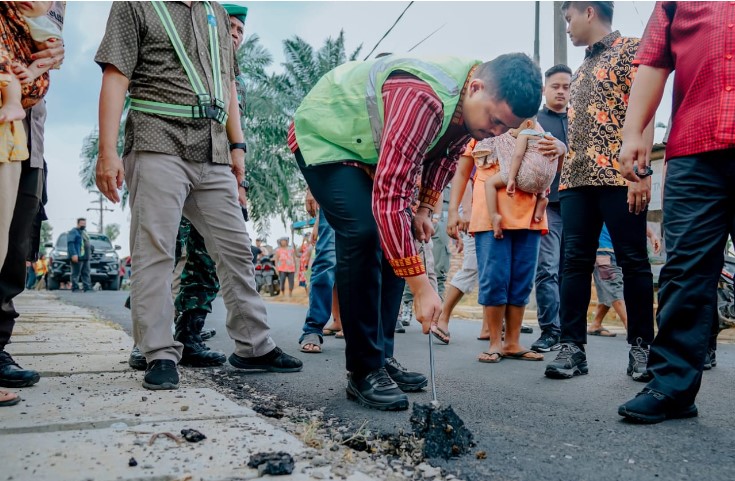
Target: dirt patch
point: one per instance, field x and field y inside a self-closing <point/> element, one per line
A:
<point x="443" y="432"/>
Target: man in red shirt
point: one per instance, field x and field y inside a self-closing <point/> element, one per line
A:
<point x="697" y="40"/>
<point x="367" y="202"/>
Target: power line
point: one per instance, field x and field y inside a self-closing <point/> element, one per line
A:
<point x="639" y="14"/>
<point x="389" y="30"/>
<point x="427" y="37"/>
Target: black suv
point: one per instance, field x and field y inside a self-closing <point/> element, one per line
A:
<point x="104" y="264"/>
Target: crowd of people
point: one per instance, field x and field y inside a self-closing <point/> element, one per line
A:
<point x="543" y="198"/>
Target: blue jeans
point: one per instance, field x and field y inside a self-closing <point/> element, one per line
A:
<point x="322" y="280"/>
<point x="506" y="266"/>
<point x="548" y="273"/>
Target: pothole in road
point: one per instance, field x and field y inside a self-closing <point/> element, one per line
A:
<point x="345" y="447"/>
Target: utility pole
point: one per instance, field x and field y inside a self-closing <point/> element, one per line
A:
<point x="101" y="209"/>
<point x="537" y="34"/>
<point x="560" y="35"/>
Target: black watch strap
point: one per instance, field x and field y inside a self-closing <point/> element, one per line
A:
<point x="239" y="145"/>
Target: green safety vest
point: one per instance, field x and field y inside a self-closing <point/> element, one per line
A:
<point x="341" y="118"/>
<point x="208" y="106"/>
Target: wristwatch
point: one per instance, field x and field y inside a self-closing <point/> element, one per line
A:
<point x="245" y="184"/>
<point x="239" y="145"/>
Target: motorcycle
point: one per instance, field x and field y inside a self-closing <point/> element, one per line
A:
<point x="726" y="294"/>
<point x="265" y="276"/>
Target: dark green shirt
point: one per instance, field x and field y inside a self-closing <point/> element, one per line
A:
<point x="136" y="43"/>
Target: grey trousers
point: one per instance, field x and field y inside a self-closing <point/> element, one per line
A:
<point x="162" y="187"/>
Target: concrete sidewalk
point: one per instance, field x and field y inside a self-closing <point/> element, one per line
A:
<point x="89" y="416"/>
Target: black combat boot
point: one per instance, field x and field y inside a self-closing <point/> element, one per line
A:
<point x="196" y="354"/>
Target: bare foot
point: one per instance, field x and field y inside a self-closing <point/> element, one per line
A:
<point x="11" y="112"/>
<point x="497" y="218"/>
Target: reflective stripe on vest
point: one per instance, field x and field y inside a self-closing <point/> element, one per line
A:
<point x="371" y="94"/>
<point x="206" y="107"/>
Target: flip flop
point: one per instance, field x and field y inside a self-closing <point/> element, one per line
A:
<point x="491" y="354"/>
<point x="339" y="335"/>
<point x="8" y="398"/>
<point x="599" y="332"/>
<point x="483" y="338"/>
<point x="440" y="334"/>
<point x="311" y="340"/>
<point x="524" y="356"/>
<point x="329" y="332"/>
<point x="318" y="349"/>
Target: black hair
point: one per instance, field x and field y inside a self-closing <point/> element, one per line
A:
<point x="515" y="78"/>
<point x="604" y="10"/>
<point x="558" y="68"/>
<point x="81" y="219"/>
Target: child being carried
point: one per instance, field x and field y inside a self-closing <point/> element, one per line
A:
<point x="522" y="166"/>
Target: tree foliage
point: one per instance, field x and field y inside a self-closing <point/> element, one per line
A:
<point x="112" y="231"/>
<point x="47" y="235"/>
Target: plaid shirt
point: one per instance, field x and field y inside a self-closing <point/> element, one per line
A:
<point x="697" y="39"/>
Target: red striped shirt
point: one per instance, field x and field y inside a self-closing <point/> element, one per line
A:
<point x="412" y="120"/>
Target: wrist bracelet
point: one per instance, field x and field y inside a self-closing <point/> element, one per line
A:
<point x="428" y="206"/>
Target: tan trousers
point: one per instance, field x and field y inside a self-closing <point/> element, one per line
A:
<point x="9" y="178"/>
<point x="162" y="187"/>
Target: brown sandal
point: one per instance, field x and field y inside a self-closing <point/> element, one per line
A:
<point x="491" y="360"/>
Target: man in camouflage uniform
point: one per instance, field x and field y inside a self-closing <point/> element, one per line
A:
<point x="199" y="285"/>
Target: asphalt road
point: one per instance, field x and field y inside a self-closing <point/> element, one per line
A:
<point x="532" y="428"/>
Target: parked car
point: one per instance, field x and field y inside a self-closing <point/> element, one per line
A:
<point x="104" y="264"/>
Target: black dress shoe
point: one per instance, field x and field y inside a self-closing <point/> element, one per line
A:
<point x="137" y="360"/>
<point x="650" y="407"/>
<point x="274" y="361"/>
<point x="376" y="390"/>
<point x="406" y="380"/>
<point x="12" y="375"/>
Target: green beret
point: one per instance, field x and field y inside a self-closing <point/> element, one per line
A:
<point x="237" y="11"/>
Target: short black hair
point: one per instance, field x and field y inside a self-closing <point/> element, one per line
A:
<point x="81" y="219"/>
<point x="604" y="10"/>
<point x="558" y="68"/>
<point x="515" y="78"/>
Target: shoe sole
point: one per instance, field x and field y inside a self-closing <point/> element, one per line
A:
<point x="359" y="399"/>
<point x="247" y="367"/>
<point x="166" y="386"/>
<point x="412" y="387"/>
<point x="645" y="377"/>
<point x="545" y="349"/>
<point x="406" y="323"/>
<point x="690" y="412"/>
<point x="213" y="363"/>
<point x="579" y="370"/>
<point x="14" y="384"/>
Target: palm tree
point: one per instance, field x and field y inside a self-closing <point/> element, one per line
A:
<point x="91" y="150"/>
<point x="276" y="186"/>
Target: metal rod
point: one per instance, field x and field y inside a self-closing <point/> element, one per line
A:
<point x="431" y="346"/>
<point x="431" y="370"/>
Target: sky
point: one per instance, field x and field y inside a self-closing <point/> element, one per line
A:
<point x="481" y="30"/>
